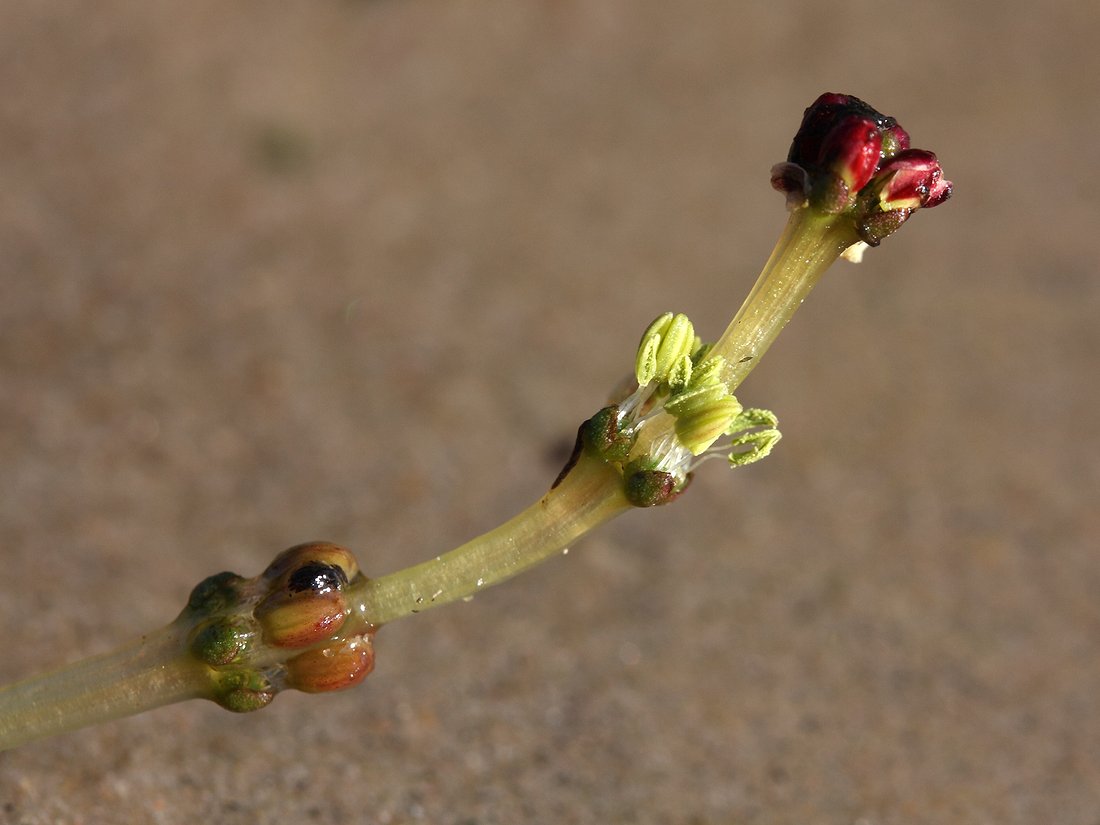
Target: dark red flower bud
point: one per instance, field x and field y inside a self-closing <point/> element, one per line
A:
<point x="852" y="150"/>
<point x="911" y="179"/>
<point x="822" y="117"/>
<point x="849" y="158"/>
<point x="838" y="147"/>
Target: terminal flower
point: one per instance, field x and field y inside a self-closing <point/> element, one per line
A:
<point x="848" y="158"/>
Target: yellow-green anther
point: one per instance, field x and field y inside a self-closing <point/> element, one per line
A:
<point x="752" y="417"/>
<point x="645" y="367"/>
<point x="759" y="441"/>
<point x="760" y="444"/>
<point x="699" y="429"/>
<point x="677" y="340"/>
<point x="658" y="325"/>
<point x="708" y="370"/>
<point x="680" y="374"/>
<point x="665" y="343"/>
<point x="697" y="398"/>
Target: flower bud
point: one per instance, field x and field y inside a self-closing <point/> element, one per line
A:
<point x="222" y="640"/>
<point x="332" y="668"/>
<point x="314" y="551"/>
<point x="304" y="603"/>
<point x="912" y="179"/>
<point x="649" y="488"/>
<point x="849" y="158"/>
<point x="607" y="436"/>
<point x="243" y="690"/>
<point x="846" y="161"/>
<point x="216" y="593"/>
<point x="300" y="618"/>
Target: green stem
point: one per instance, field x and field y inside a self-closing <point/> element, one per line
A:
<point x="809" y="245"/>
<point x="149" y="673"/>
<point x="811" y="242"/>
<point x="590" y="494"/>
<point x="158" y="669"/>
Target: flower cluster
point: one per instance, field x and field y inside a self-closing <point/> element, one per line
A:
<point x="848" y="158"/>
<point x="286" y="628"/>
<point x="677" y="375"/>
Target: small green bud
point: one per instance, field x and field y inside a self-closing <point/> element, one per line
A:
<point x="243" y="691"/>
<point x="606" y="436"/>
<point x="221" y="641"/>
<point x="649" y="488"/>
<point x="245" y="701"/>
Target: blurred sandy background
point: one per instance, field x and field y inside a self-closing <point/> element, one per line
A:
<point x="355" y="270"/>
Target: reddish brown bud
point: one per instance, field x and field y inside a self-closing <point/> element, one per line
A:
<point x="300" y="619"/>
<point x="305" y="604"/>
<point x="332" y="668"/>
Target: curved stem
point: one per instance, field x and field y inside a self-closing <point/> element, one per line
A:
<point x="158" y="670"/>
<point x="149" y="673"/>
<point x="810" y="243"/>
<point x="590" y="494"/>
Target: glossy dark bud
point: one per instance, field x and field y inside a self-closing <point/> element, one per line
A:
<point x="318" y="577"/>
<point x="322" y="552"/>
<point x="305" y="602"/>
<point x="216" y="593"/>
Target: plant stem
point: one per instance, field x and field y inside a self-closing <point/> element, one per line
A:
<point x="590" y="494"/>
<point x="810" y="243"/>
<point x="149" y="673"/>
